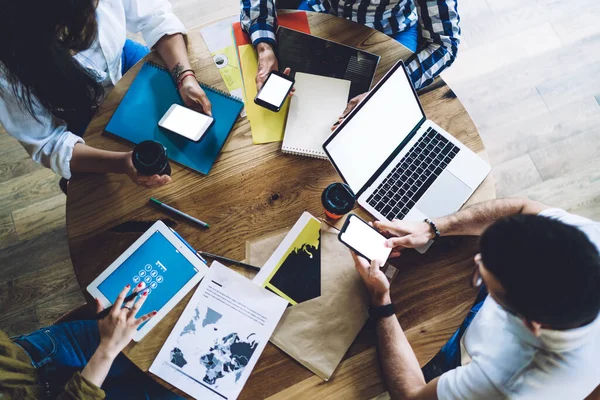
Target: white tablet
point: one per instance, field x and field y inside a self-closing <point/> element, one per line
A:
<point x="163" y="262"/>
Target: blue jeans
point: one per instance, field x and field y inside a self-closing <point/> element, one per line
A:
<point x="409" y="37"/>
<point x="132" y="53"/>
<point x="66" y="348"/>
<point x="449" y="356"/>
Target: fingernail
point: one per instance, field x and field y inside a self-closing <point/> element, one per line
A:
<point x="145" y="293"/>
<point x="154" y="312"/>
<point x="140" y="284"/>
<point x="127" y="286"/>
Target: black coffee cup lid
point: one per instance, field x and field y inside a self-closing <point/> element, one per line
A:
<point x="338" y="198"/>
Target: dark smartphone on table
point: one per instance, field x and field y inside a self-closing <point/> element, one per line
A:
<point x="365" y="240"/>
<point x="274" y="92"/>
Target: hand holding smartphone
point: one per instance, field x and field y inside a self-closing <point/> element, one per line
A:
<point x="274" y="91"/>
<point x="364" y="240"/>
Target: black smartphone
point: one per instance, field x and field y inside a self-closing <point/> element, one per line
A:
<point x="364" y="239"/>
<point x="274" y="91"/>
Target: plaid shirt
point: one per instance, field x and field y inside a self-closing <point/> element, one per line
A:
<point x="440" y="33"/>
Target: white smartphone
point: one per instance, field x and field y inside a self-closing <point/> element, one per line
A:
<point x="364" y="239"/>
<point x="185" y="122"/>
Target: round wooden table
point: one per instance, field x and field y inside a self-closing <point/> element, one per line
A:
<point x="254" y="190"/>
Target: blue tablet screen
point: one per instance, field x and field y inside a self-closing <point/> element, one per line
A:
<point x="159" y="265"/>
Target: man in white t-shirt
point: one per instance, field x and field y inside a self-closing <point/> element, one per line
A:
<point x="535" y="336"/>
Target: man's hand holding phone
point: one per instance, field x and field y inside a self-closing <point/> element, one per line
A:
<point x="404" y="234"/>
<point x="375" y="280"/>
<point x="364" y="240"/>
<point x="267" y="62"/>
<point x="272" y="97"/>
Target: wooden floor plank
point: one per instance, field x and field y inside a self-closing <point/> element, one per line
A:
<point x="28" y="189"/>
<point x="8" y="233"/>
<point x="568" y="154"/>
<point x="514" y="139"/>
<point x="559" y="91"/>
<point x="39" y="287"/>
<point x="485" y="27"/>
<point x="514" y="175"/>
<point x="20" y="322"/>
<point x="577" y="191"/>
<point x="502" y="52"/>
<point x="469" y="9"/>
<point x="48" y="312"/>
<point x="32" y="255"/>
<point x="41" y="217"/>
<point x="579" y="26"/>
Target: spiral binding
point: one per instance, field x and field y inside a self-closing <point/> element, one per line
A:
<point x="202" y="85"/>
<point x="303" y="152"/>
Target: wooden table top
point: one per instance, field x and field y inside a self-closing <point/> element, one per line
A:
<point x="254" y="190"/>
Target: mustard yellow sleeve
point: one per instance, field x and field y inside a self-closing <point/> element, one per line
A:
<point x="79" y="388"/>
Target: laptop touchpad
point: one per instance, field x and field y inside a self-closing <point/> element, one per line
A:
<point x="444" y="197"/>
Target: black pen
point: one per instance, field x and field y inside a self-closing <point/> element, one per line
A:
<point x="227" y="260"/>
<point x="106" y="311"/>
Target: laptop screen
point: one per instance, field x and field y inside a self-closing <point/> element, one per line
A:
<point x="373" y="131"/>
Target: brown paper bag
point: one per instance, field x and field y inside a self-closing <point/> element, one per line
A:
<point x="318" y="332"/>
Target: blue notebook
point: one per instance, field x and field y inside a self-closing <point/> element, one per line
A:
<point x="151" y="94"/>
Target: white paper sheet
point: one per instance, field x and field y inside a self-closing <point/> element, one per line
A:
<point x="218" y="339"/>
<point x="316" y="106"/>
<point x="219" y="41"/>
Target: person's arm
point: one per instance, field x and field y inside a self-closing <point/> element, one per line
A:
<point x="164" y="31"/>
<point x="173" y="50"/>
<point x="440" y="36"/>
<point x="52" y="145"/>
<point x="399" y="365"/>
<point x="471" y="221"/>
<point x="259" y="20"/>
<point x="116" y="331"/>
<point x="89" y="159"/>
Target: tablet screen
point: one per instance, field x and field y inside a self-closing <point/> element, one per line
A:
<point x="159" y="264"/>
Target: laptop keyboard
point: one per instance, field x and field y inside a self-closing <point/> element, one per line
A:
<point x="413" y="175"/>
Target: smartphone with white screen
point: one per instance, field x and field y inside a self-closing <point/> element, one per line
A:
<point x="364" y="239"/>
<point x="186" y="122"/>
<point x="274" y="91"/>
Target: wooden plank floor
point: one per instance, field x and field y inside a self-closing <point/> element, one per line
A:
<point x="527" y="73"/>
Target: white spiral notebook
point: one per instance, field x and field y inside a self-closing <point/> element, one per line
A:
<point x="315" y="107"/>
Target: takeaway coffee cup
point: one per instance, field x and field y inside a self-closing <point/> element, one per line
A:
<point x="338" y="200"/>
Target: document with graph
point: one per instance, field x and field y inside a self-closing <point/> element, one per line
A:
<point x="220" y="335"/>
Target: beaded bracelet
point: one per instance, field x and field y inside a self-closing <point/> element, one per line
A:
<point x="434" y="228"/>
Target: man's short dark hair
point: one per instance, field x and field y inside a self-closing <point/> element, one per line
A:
<point x="549" y="270"/>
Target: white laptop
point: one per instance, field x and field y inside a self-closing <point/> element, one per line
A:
<point x="398" y="163"/>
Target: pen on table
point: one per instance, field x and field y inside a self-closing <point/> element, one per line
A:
<point x="227" y="260"/>
<point x="180" y="213"/>
<point x="107" y="310"/>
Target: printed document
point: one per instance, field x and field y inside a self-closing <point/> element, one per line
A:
<point x="218" y="339"/>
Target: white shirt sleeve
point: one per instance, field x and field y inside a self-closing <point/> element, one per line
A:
<point x="154" y="18"/>
<point x="46" y="139"/>
<point x="467" y="382"/>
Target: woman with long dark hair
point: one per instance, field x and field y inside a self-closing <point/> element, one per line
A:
<point x="59" y="59"/>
